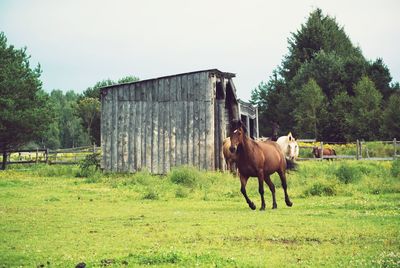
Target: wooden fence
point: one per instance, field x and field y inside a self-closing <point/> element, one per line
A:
<point x="68" y="156"/>
<point x="362" y="152"/>
<point x="73" y="156"/>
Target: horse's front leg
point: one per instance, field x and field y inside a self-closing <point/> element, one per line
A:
<point x="272" y="189"/>
<point x="243" y="182"/>
<point x="261" y="188"/>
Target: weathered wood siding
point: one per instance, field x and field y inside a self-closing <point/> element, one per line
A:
<point x="158" y="124"/>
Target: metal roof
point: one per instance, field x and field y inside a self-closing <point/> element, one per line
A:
<point x="216" y="71"/>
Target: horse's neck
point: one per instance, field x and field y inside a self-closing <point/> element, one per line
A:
<point x="246" y="144"/>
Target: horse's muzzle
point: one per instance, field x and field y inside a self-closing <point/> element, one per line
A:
<point x="232" y="149"/>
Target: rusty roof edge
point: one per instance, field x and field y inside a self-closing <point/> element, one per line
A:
<point x="225" y="74"/>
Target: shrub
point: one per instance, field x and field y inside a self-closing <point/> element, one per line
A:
<point x="186" y="176"/>
<point x="150" y="194"/>
<point x="90" y="165"/>
<point x="347" y="173"/>
<point x="395" y="169"/>
<point x="321" y="188"/>
<point x="181" y="193"/>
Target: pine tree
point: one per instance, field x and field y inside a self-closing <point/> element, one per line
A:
<point x="310" y="103"/>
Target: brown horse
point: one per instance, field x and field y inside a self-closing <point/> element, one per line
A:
<point x="326" y="151"/>
<point x="230" y="158"/>
<point x="258" y="159"/>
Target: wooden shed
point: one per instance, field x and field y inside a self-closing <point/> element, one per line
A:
<point x="169" y="121"/>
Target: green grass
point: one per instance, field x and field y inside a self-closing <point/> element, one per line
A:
<point x="49" y="217"/>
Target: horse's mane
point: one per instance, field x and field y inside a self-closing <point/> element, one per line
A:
<point x="235" y="124"/>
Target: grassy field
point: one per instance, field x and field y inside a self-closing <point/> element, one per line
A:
<point x="345" y="214"/>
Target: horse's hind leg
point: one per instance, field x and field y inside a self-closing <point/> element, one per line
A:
<point x="243" y="182"/>
<point x="272" y="189"/>
<point x="261" y="189"/>
<point x="282" y="175"/>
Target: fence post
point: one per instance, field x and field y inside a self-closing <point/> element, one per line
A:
<point x="94" y="148"/>
<point x="395" y="149"/>
<point x="3" y="167"/>
<point x="358" y="149"/>
<point x="322" y="150"/>
<point x="37" y="155"/>
<point x="47" y="156"/>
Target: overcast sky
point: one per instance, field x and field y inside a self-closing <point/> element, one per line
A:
<point x="79" y="43"/>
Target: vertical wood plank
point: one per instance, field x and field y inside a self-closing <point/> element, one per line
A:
<point x="184" y="134"/>
<point x="125" y="115"/>
<point x="149" y="132"/>
<point x="167" y="137"/>
<point x="178" y="122"/>
<point x="184" y="122"/>
<point x="202" y="135"/>
<point x="161" y="127"/>
<point x="102" y="130"/>
<point x="196" y="120"/>
<point x="120" y="126"/>
<point x="190" y="147"/>
<point x="172" y="122"/>
<point x="114" y="134"/>
<point x="210" y="122"/>
<point x="155" y="128"/>
<point x="216" y="134"/>
<point x="138" y="131"/>
<point x="143" y="133"/>
<point x="222" y="129"/>
<point x="132" y="132"/>
<point x="107" y="120"/>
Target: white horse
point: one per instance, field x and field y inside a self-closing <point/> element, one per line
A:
<point x="289" y="146"/>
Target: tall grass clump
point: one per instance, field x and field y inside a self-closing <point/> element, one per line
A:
<point x="321" y="188"/>
<point x="90" y="166"/>
<point x="347" y="173"/>
<point x="151" y="194"/>
<point x="185" y="176"/>
<point x="395" y="169"/>
<point x="55" y="170"/>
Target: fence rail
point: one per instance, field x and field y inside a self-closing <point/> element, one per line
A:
<point x="69" y="156"/>
<point x="362" y="152"/>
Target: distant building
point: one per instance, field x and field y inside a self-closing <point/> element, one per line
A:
<point x="174" y="120"/>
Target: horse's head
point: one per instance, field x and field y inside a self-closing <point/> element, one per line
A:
<point x="293" y="150"/>
<point x="237" y="135"/>
<point x="315" y="151"/>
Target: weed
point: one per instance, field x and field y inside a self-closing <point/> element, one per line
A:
<point x="321" y="188"/>
<point x="181" y="193"/>
<point x="150" y="194"/>
<point x="347" y="173"/>
<point x="90" y="165"/>
<point x="186" y="176"/>
<point x="395" y="169"/>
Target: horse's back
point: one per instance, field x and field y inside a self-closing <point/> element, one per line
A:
<point x="225" y="150"/>
<point x="274" y="157"/>
<point x="282" y="142"/>
<point x="225" y="146"/>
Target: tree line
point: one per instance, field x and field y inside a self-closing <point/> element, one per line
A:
<point x="32" y="118"/>
<point x="326" y="89"/>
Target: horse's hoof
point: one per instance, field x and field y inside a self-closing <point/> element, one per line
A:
<point x="289" y="204"/>
<point x="274" y="206"/>
<point x="252" y="206"/>
<point x="262" y="208"/>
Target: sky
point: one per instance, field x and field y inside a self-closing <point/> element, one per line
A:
<point x="81" y="42"/>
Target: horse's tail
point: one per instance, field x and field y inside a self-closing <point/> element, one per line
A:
<point x="290" y="164"/>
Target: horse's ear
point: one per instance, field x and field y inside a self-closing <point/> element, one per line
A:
<point x="235" y="124"/>
<point x="243" y="127"/>
<point x="290" y="136"/>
